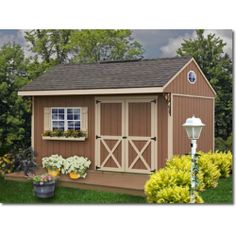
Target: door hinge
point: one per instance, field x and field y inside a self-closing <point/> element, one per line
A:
<point x="155" y="101"/>
<point x="98" y="167"/>
<point x="98" y="101"/>
<point x="153" y="171"/>
<point x="124" y="137"/>
<point x="154" y="138"/>
<point x="97" y="137"/>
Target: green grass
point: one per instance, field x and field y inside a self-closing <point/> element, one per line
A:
<point x="221" y="194"/>
<point x="18" y="192"/>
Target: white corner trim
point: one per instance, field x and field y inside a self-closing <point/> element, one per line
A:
<point x="92" y="91"/>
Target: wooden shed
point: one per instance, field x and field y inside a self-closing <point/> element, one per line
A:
<point x="131" y="111"/>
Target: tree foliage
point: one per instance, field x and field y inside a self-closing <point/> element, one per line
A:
<point x="84" y="46"/>
<point x="14" y="110"/>
<point x="217" y="66"/>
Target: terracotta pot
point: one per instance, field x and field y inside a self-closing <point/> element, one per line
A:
<point x="53" y="172"/>
<point x="74" y="175"/>
<point x="45" y="190"/>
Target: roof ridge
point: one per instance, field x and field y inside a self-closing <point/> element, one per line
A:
<point x="128" y="60"/>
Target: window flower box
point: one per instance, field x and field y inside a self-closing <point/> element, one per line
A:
<point x="64" y="138"/>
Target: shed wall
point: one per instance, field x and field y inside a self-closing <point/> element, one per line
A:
<point x="180" y="84"/>
<point x="184" y="107"/>
<point x="66" y="148"/>
<point x="87" y="148"/>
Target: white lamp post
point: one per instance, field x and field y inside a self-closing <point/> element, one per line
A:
<point x="193" y="128"/>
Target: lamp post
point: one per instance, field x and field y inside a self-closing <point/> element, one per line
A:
<point x="193" y="127"/>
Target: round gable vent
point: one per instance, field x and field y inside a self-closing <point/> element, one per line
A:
<point x="192" y="77"/>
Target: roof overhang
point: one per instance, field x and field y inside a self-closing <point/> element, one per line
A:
<point x="92" y="91"/>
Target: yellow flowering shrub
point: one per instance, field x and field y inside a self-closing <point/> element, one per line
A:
<point x="176" y="194"/>
<point x="223" y="161"/>
<point x="165" y="178"/>
<point x="6" y="164"/>
<point x="171" y="184"/>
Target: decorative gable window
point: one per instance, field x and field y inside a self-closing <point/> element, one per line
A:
<point x="66" y="118"/>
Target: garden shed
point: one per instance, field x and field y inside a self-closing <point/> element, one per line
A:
<point x="131" y="111"/>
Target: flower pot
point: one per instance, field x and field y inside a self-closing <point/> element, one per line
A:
<point x="53" y="172"/>
<point x="45" y="190"/>
<point x="74" y="175"/>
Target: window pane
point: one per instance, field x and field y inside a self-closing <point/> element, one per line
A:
<point x="54" y="110"/>
<point x="61" y="116"/>
<point x="61" y="111"/>
<point x="54" y="116"/>
<point x="69" y="116"/>
<point x="76" y="117"/>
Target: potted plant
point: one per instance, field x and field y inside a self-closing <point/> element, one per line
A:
<point x="76" y="166"/>
<point x="53" y="164"/>
<point x="44" y="185"/>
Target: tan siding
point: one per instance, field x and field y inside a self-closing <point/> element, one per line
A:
<point x="182" y="86"/>
<point x="65" y="148"/>
<point x="185" y="107"/>
<point x="162" y="129"/>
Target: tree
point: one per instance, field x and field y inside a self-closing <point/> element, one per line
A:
<point x="98" y="45"/>
<point x="217" y="66"/>
<point x="83" y="46"/>
<point x="14" y="110"/>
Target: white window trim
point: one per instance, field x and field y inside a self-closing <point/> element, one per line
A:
<point x="65" y="116"/>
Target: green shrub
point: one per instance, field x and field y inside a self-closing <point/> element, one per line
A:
<point x="224" y="144"/>
<point x="176" y="194"/>
<point x="6" y="164"/>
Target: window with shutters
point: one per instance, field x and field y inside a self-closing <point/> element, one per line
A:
<point x="65" y="118"/>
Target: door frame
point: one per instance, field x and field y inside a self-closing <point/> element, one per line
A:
<point x="125" y="100"/>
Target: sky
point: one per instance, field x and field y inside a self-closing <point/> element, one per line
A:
<point x="156" y="43"/>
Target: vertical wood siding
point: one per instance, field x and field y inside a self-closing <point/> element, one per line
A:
<point x="65" y="148"/>
<point x="182" y="86"/>
<point x="139" y="123"/>
<point x="111" y="125"/>
<point x="162" y="131"/>
<point x="184" y="107"/>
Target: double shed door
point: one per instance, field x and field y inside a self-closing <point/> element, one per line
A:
<point x="126" y="134"/>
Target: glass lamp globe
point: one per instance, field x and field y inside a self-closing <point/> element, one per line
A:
<point x="193" y="127"/>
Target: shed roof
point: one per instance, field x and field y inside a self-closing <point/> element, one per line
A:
<point x="109" y="75"/>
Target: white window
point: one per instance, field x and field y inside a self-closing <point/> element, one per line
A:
<point x="65" y="118"/>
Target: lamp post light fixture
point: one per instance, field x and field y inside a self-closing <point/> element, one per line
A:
<point x="193" y="127"/>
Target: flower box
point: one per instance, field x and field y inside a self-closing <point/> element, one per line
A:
<point x="64" y="138"/>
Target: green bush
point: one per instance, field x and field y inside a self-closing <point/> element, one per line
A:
<point x="224" y="144"/>
<point x="176" y="194"/>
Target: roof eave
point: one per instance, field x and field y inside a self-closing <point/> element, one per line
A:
<point x="92" y="91"/>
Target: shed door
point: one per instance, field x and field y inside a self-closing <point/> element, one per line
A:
<point x="126" y="135"/>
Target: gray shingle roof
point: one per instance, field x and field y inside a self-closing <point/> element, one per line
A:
<point x="129" y="74"/>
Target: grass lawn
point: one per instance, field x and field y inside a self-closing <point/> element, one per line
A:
<point x="223" y="193"/>
<point x="18" y="192"/>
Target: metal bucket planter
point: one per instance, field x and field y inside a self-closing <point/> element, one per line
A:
<point x="46" y="190"/>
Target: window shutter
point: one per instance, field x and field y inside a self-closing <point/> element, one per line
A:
<point x="84" y="120"/>
<point x="47" y="118"/>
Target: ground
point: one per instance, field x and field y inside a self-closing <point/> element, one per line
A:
<point x="18" y="192"/>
